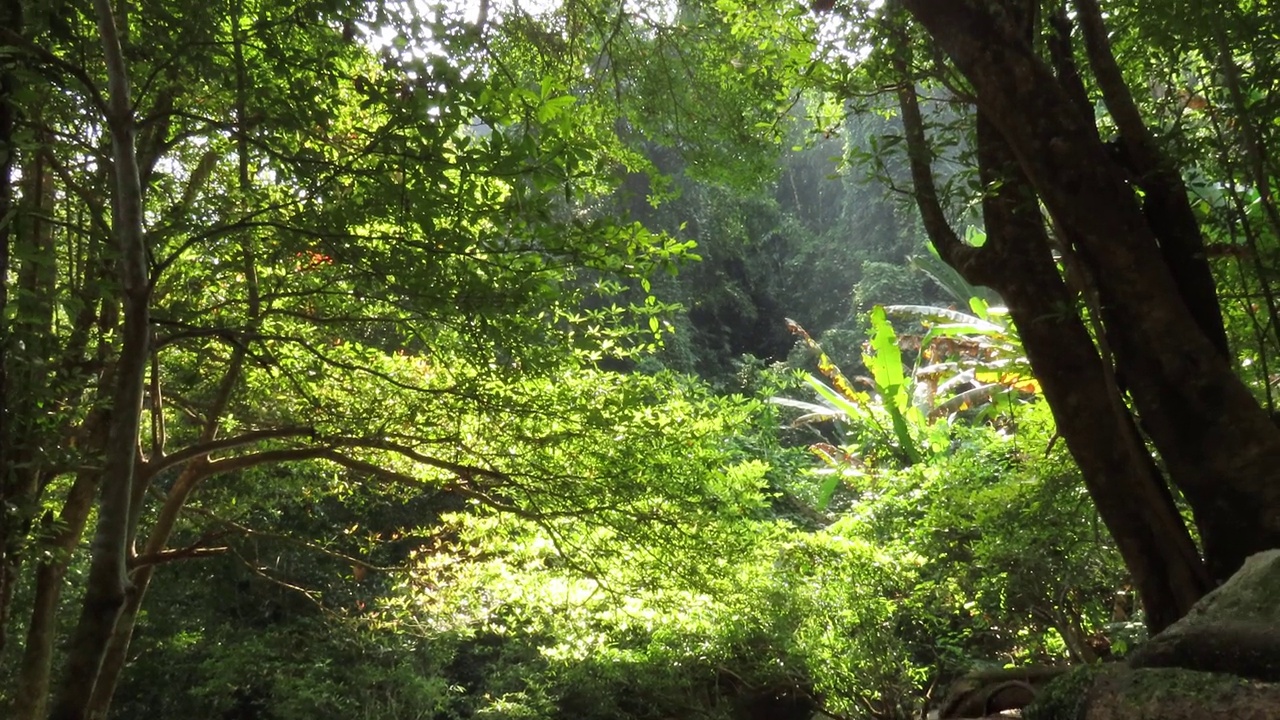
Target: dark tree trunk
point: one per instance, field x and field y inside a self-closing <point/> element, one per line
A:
<point x="1164" y="203"/>
<point x="1221" y="447"/>
<point x="1017" y="262"/>
<point x="1126" y="486"/>
<point x="10" y="520"/>
<point x="37" y="656"/>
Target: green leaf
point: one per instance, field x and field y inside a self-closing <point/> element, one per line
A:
<point x="828" y="490"/>
<point x="885" y="364"/>
<point x="978" y="323"/>
<point x="979" y="307"/>
<point x="885" y="360"/>
<point x="555" y="107"/>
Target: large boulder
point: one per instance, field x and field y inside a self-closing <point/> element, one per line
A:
<point x="1122" y="693"/>
<point x="1220" y="662"/>
<point x="1235" y="629"/>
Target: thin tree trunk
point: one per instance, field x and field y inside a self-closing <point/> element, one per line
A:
<point x="10" y="17"/>
<point x="1256" y="158"/>
<point x="57" y="552"/>
<point x="118" y="650"/>
<point x="28" y="363"/>
<point x="37" y="658"/>
<point x="198" y="469"/>
<point x="107" y="585"/>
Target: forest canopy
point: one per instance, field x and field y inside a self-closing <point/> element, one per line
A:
<point x="624" y="359"/>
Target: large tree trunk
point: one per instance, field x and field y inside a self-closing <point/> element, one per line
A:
<point x="1126" y="486"/>
<point x="1017" y="262"/>
<point x="1200" y="416"/>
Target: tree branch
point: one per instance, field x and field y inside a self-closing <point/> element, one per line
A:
<point x="194" y="551"/>
<point x="962" y="257"/>
<point x="205" y="449"/>
<point x="1115" y="91"/>
<point x="290" y="540"/>
<point x="408" y="452"/>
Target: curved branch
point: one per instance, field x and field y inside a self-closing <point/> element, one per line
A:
<point x="408" y="452"/>
<point x="205" y="449"/>
<point x="962" y="257"/>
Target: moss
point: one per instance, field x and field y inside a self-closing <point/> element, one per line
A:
<point x="1144" y="686"/>
<point x="1138" y="690"/>
<point x="1064" y="698"/>
<point x="1249" y="595"/>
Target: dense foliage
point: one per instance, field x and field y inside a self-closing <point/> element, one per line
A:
<point x="617" y="360"/>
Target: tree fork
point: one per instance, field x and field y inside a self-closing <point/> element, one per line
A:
<point x="107" y="588"/>
<point x="1200" y="416"/>
<point x="1126" y="486"/>
<point x="1165" y="203"/>
<point x="1016" y="261"/>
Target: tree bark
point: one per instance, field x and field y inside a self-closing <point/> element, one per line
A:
<point x="1126" y="486"/>
<point x="37" y="656"/>
<point x="1165" y="204"/>
<point x="57" y="551"/>
<point x="1017" y="262"/>
<point x="1200" y="416"/>
<point x="118" y="649"/>
<point x="107" y="583"/>
<point x="11" y="17"/>
<point x="32" y="350"/>
<point x="197" y="469"/>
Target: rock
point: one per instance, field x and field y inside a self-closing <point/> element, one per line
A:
<point x="1065" y="698"/>
<point x="1220" y="662"/>
<point x="1122" y="693"/>
<point x="1234" y="629"/>
<point x="1117" y="692"/>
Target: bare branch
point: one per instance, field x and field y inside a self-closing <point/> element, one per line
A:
<point x="261" y="572"/>
<point x="205" y="449"/>
<point x="167" y="556"/>
<point x="266" y="457"/>
<point x="955" y="252"/>
<point x="98" y="212"/>
<point x="157" y="409"/>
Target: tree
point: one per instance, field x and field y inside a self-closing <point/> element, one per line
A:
<point x="1110" y="288"/>
<point x="286" y="248"/>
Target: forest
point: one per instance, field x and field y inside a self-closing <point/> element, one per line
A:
<point x="639" y="359"/>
